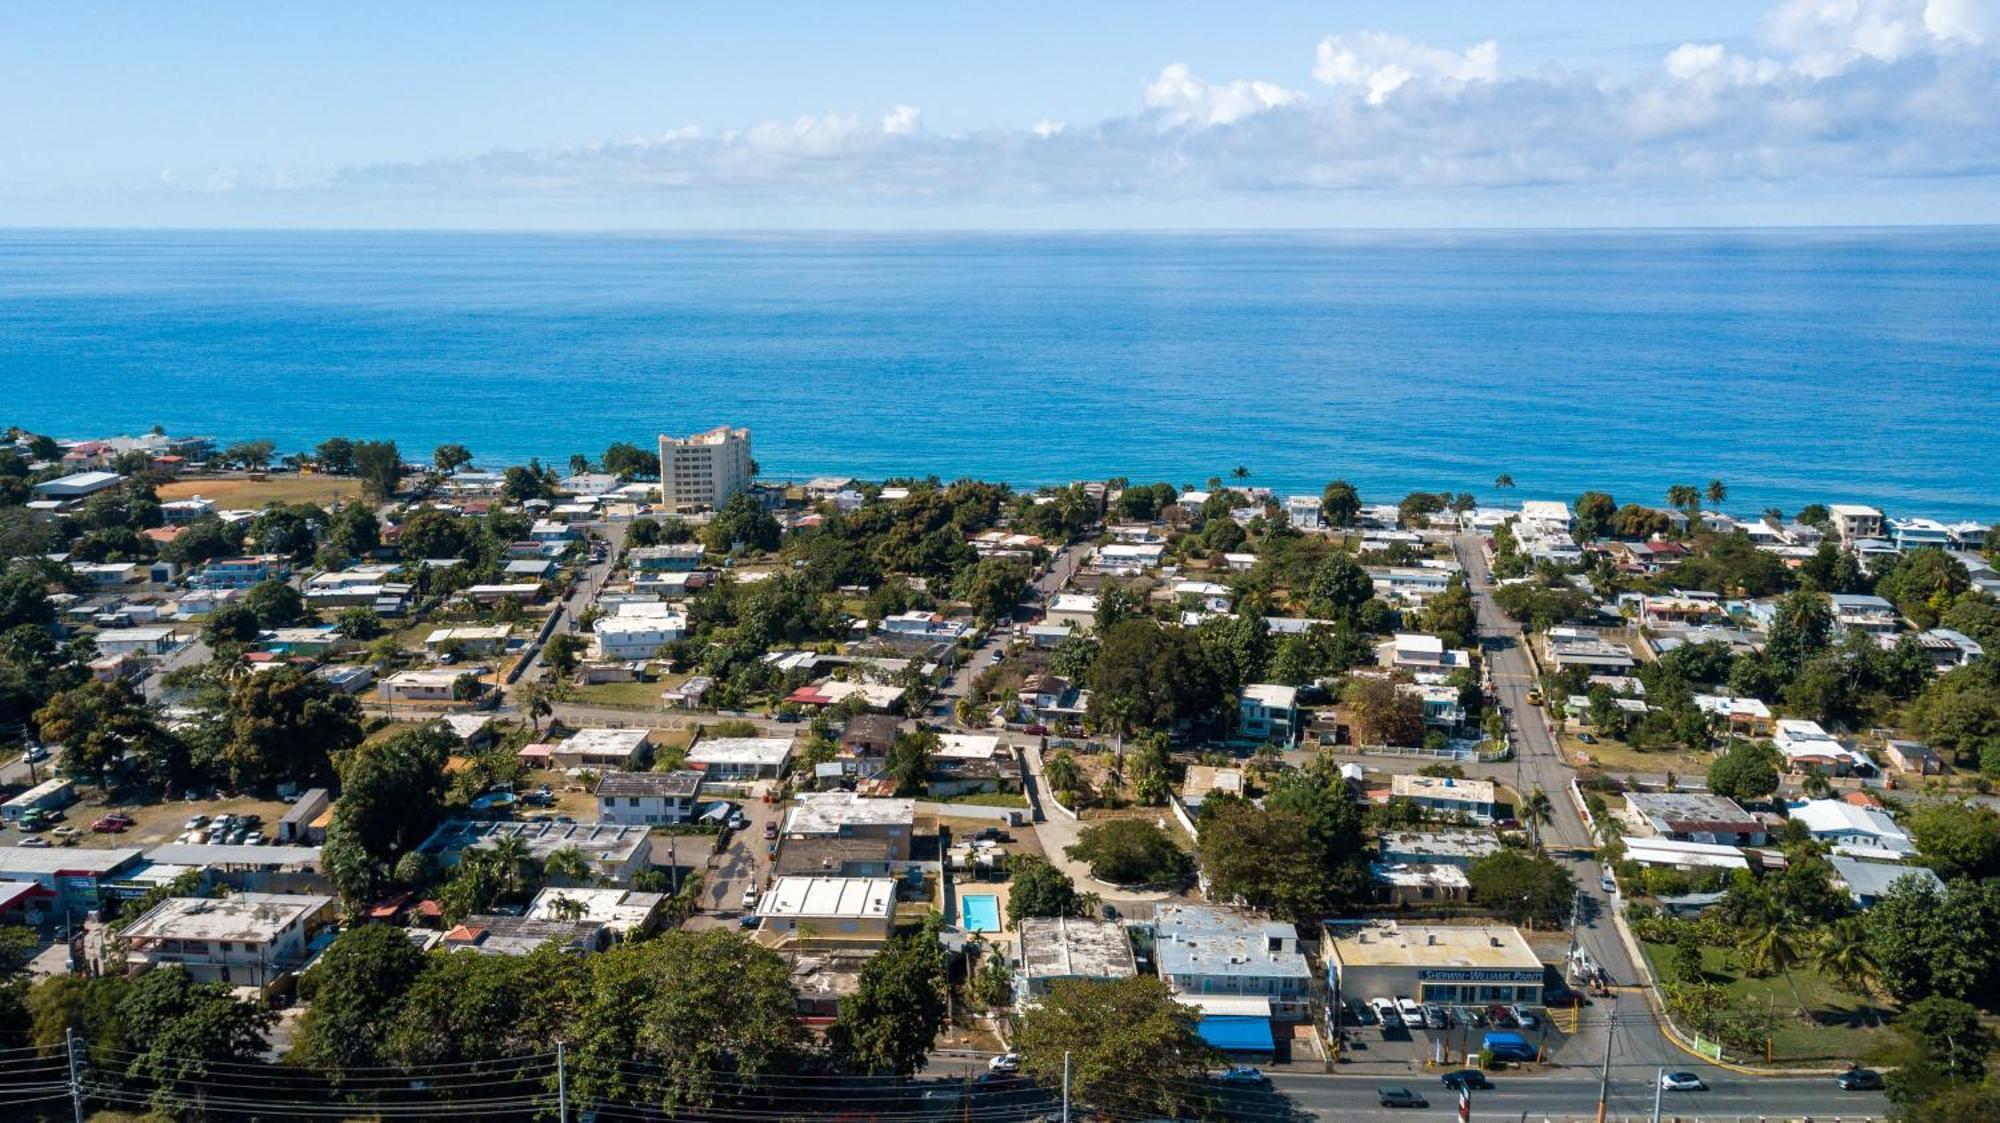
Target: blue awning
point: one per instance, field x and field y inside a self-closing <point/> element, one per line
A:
<point x="1237" y="1034"/>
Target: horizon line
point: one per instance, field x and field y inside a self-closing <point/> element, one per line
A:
<point x="738" y="231"/>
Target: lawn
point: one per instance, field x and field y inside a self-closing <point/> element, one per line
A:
<point x="987" y="799"/>
<point x="1619" y="758"/>
<point x="244" y="492"/>
<point x="645" y="695"/>
<point x="1842" y="1026"/>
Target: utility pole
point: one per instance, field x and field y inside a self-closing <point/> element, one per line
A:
<point x="1065" y="1086"/>
<point x="562" y="1087"/>
<point x="1604" y="1078"/>
<point x="1659" y="1083"/>
<point x="75" y="1086"/>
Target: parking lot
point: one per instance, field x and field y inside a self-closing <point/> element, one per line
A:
<point x="1445" y="1035"/>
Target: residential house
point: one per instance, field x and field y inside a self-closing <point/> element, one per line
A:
<point x="1845" y="824"/>
<point x="622" y="912"/>
<point x="247" y="939"/>
<point x="1474" y="799"/>
<point x="1808" y="748"/>
<point x="1913" y="757"/>
<point x="1063" y="949"/>
<point x="1854" y="521"/>
<point x="612" y="852"/>
<point x="1746" y="717"/>
<point x="855" y="912"/>
<point x="648" y="798"/>
<point x="475" y="640"/>
<point x="636" y="636"/>
<point x="604" y="749"/>
<point x="157" y="639"/>
<point x="733" y="759"/>
<point x="438" y="684"/>
<point x="497" y="934"/>
<point x="1868" y="882"/>
<point x="1575" y="647"/>
<point x="1864" y="613"/>
<point x="1268" y="712"/>
<point x="1694" y="817"/>
<point x="1303" y="511"/>
<point x="849" y="816"/>
<point x="1078" y="610"/>
<point x="682" y="557"/>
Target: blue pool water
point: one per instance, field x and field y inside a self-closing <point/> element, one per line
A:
<point x="1795" y="365"/>
<point x="979" y="913"/>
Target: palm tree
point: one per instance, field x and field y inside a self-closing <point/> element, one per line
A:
<point x="1503" y="481"/>
<point x="1717" y="492"/>
<point x="509" y="853"/>
<point x="566" y="862"/>
<point x="578" y="464"/>
<point x="1239" y="473"/>
<point x="1775" y="948"/>
<point x="568" y="908"/>
<point x="532" y="698"/>
<point x="1062" y="774"/>
<point x="1685" y="497"/>
<point x="1537" y="812"/>
<point x="1843" y="952"/>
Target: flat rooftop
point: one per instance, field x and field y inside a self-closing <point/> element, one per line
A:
<point x="600" y="842"/>
<point x="853" y="898"/>
<point x="1442" y="787"/>
<point x="252" y="917"/>
<point x="659" y="785"/>
<point x="1388" y="944"/>
<point x="762" y="751"/>
<point x="828" y="812"/>
<point x="1068" y="948"/>
<point x="604" y="742"/>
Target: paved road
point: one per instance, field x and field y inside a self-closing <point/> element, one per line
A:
<point x="595" y="575"/>
<point x="1538" y="763"/>
<point x="1573" y="1095"/>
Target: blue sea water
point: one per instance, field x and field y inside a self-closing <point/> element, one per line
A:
<point x="1794" y="365"/>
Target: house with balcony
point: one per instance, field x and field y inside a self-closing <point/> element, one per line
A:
<point x="1268" y="712"/>
<point x="246" y="939"/>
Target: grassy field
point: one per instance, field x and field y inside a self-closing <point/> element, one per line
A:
<point x="1839" y="1025"/>
<point x="988" y="799"/>
<point x="644" y="694"/>
<point x="244" y="492"/>
<point x="1618" y="758"/>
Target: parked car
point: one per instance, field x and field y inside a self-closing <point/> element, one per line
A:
<point x="1385" y="1012"/>
<point x="35" y="842"/>
<point x="771" y="829"/>
<point x="1682" y="1082"/>
<point x="109" y="825"/>
<point x="1608" y="883"/>
<point x="1502" y="1017"/>
<point x="1005" y="1062"/>
<point x="1436" y="1016"/>
<point x="1465" y="1078"/>
<point x="1243" y="1074"/>
<point x="1474" y="1015"/>
<point x="67" y="834"/>
<point x="1399" y="1097"/>
<point x="1858" y="1080"/>
<point x="35" y="754"/>
<point x="1521" y="1015"/>
<point x="1586" y="738"/>
<point x="196" y="823"/>
<point x="1413" y="1014"/>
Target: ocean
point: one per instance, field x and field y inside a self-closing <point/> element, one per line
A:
<point x="1794" y="365"/>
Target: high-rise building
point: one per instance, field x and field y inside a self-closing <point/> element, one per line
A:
<point x="704" y="470"/>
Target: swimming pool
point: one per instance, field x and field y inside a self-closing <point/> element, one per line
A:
<point x="979" y="912"/>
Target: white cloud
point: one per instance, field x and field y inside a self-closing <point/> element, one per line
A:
<point x="1183" y="99"/>
<point x="1853" y="92"/>
<point x="1379" y="64"/>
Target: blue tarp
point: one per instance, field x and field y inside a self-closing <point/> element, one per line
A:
<point x="1233" y="1034"/>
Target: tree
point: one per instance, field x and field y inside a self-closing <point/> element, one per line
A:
<point x="1686" y="497"/>
<point x="1038" y="889"/>
<point x="1266" y="859"/>
<point x="1339" y="588"/>
<point x="1537" y="811"/>
<point x="100" y="725"/>
<point x="742" y="522"/>
<point x="250" y="454"/>
<point x="1131" y="1047"/>
<point x="449" y="458"/>
<point x="1843" y="952"/>
<point x="202" y="540"/>
<point x="1950" y="1033"/>
<point x="1340" y="504"/>
<point x="286" y="725"/>
<point x="357" y="987"/>
<point x="1746" y="772"/>
<point x="993" y="587"/>
<point x="335" y="455"/>
<point x="1382" y="714"/>
<point x="1523" y="888"/>
<point x="627" y="460"/>
<point x="391" y="798"/>
<point x="380" y="467"/>
<point x="675" y="1021"/>
<point x="908" y="761"/>
<point x="1595" y="512"/>
<point x="183" y="1029"/>
<point x="1061" y="771"/>
<point x="1801" y="628"/>
<point x="1716" y="493"/>
<point x="887" y="1027"/>
<point x="1957" y="839"/>
<point x="562" y="654"/>
<point x="1129" y="852"/>
<point x="1925" y="942"/>
<point x="276" y="603"/>
<point x="1150" y="676"/>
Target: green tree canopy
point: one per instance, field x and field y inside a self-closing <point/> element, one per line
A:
<point x="1129" y="852"/>
<point x="891" y="1021"/>
<point x="1132" y="1047"/>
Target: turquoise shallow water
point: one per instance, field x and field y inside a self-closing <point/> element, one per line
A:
<point x="979" y="912"/>
<point x="1795" y="365"/>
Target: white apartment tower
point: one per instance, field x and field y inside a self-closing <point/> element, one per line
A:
<point x="704" y="470"/>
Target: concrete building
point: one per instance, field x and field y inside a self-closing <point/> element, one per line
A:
<point x="1850" y="825"/>
<point x="1268" y="712"/>
<point x="1446" y="964"/>
<point x="1475" y="799"/>
<point x="1854" y="521"/>
<point x="67" y="879"/>
<point x="850" y="816"/>
<point x="623" y="912"/>
<point x="1436" y="848"/>
<point x="493" y="934"/>
<point x="1867" y="882"/>
<point x="703" y="471"/>
<point x="613" y="852"/>
<point x="603" y="749"/>
<point x="1207" y="950"/>
<point x="647" y="798"/>
<point x="1694" y="817"/>
<point x="248" y="939"/>
<point x="1054" y="950"/>
<point x="637" y="636"/>
<point x="830" y="911"/>
<point x="741" y="758"/>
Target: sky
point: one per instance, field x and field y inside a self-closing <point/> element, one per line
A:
<point x="1106" y="114"/>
